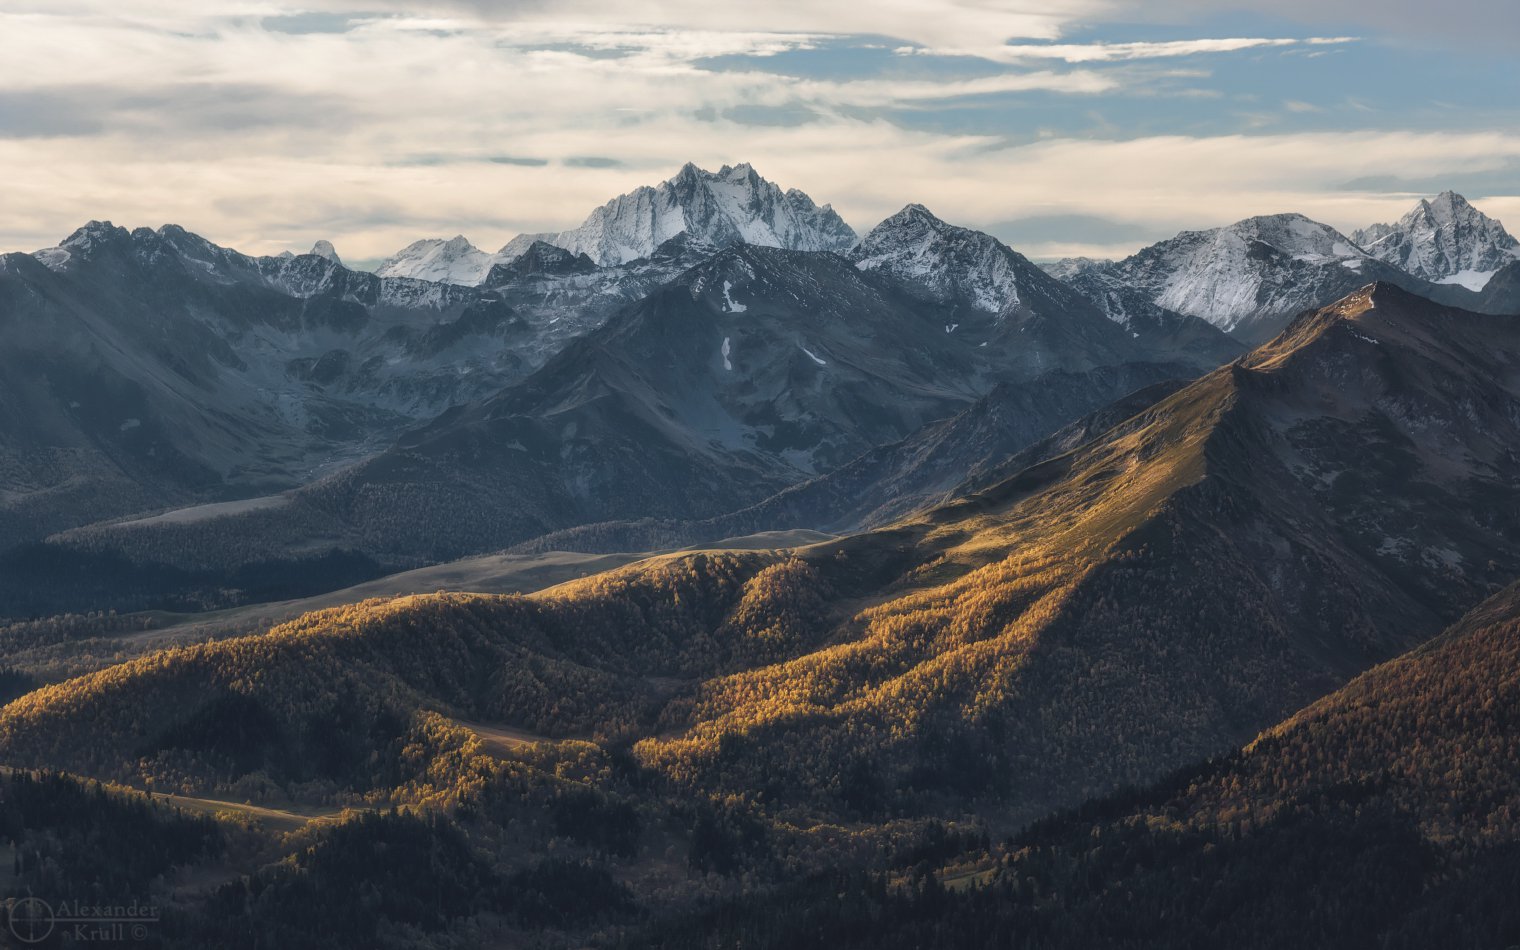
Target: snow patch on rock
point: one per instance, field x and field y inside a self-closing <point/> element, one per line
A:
<point x="730" y="306"/>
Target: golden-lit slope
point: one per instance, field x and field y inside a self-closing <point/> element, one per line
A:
<point x="1162" y="593"/>
<point x="1195" y="574"/>
<point x="310" y="701"/>
<point x="1382" y="816"/>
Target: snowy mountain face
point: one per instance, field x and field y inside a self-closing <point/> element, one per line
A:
<point x="1444" y="240"/>
<point x="992" y="290"/>
<point x="452" y="261"/>
<point x="564" y="295"/>
<point x="1247" y="278"/>
<point x="944" y="263"/>
<point x="732" y="206"/>
<point x="1228" y="274"/>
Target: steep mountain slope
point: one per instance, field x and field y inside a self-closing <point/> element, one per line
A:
<point x="956" y="267"/>
<point x="452" y="261"/>
<point x="755" y="370"/>
<point x="1015" y="426"/>
<point x="1444" y="240"/>
<point x="1249" y="278"/>
<point x="217" y="375"/>
<point x="1154" y="596"/>
<point x="993" y="296"/>
<point x="559" y="294"/>
<point x="1014" y="315"/>
<point x="1198" y="572"/>
<point x="1382" y="815"/>
<point x="1502" y="292"/>
<point x="151" y="368"/>
<point x="564" y="296"/>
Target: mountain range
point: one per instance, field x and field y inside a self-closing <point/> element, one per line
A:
<point x="1154" y="619"/>
<point x="738" y="360"/>
<point x="754" y="370"/>
<point x="149" y="368"/>
<point x="731" y="206"/>
<point x="1253" y="276"/>
<point x="885" y="590"/>
<point x="1189" y="576"/>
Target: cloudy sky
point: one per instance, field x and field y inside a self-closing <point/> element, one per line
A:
<point x="1063" y="126"/>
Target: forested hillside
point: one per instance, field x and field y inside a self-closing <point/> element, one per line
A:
<point x="1380" y="816"/>
<point x="711" y="724"/>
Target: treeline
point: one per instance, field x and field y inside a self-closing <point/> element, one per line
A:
<point x="62" y="628"/>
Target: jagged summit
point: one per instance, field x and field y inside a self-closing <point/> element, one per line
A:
<point x="453" y="261"/>
<point x="913" y="210"/>
<point x="171" y="248"/>
<point x="1296" y="234"/>
<point x="945" y="263"/>
<point x="84" y="241"/>
<point x="542" y="259"/>
<point x="94" y="234"/>
<point x="733" y="205"/>
<point x="90" y="230"/>
<point x="1444" y="240"/>
<point x="991" y="289"/>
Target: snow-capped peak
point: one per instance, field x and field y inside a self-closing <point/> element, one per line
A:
<point x="1253" y="271"/>
<point x="325" y="249"/>
<point x="731" y="206"/>
<point x="1443" y="239"/>
<point x="1293" y="234"/>
<point x="93" y="234"/>
<point x="84" y="241"/>
<point x="946" y="263"/>
<point x="453" y="261"/>
<point x="1230" y="273"/>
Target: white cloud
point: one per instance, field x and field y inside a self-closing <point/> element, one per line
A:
<point x="1483" y="23"/>
<point x="877" y="92"/>
<point x="867" y="169"/>
<point x="375" y="136"/>
<point x="930" y="22"/>
<point x="1124" y="52"/>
